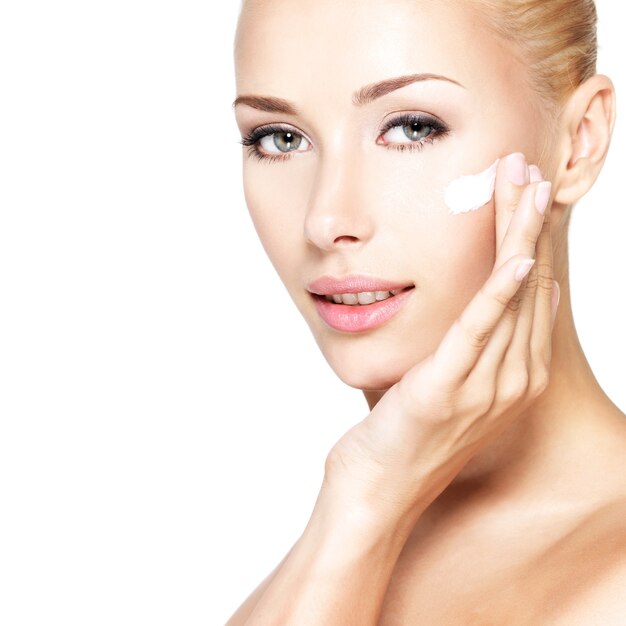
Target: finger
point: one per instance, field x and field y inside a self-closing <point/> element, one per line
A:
<point x="541" y="335"/>
<point x="512" y="176"/>
<point x="523" y="232"/>
<point x="556" y="297"/>
<point x="516" y="320"/>
<point x="535" y="174"/>
<point x="533" y="306"/>
<point x="517" y="333"/>
<point x="511" y="181"/>
<point x="462" y="345"/>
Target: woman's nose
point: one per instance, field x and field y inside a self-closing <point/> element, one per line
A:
<point x="337" y="214"/>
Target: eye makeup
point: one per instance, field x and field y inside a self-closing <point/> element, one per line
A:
<point x="418" y="123"/>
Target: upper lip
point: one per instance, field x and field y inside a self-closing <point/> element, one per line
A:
<point x="355" y="283"/>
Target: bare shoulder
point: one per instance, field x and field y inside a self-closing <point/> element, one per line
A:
<point x="245" y="610"/>
<point x="596" y="591"/>
<point x="585" y="570"/>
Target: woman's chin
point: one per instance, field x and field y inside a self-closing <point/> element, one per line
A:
<point x="377" y="360"/>
<point x="370" y="372"/>
<point x="368" y="383"/>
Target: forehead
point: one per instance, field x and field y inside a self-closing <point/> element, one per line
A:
<point x="297" y="48"/>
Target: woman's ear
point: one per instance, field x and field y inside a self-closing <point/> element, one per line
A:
<point x="587" y="125"/>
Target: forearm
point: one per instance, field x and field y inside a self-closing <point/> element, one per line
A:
<point x="337" y="573"/>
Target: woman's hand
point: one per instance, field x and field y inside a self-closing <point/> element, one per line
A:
<point x="492" y="363"/>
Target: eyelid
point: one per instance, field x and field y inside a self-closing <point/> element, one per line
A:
<point x="400" y="117"/>
<point x="278" y="127"/>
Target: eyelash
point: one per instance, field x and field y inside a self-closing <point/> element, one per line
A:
<point x="439" y="130"/>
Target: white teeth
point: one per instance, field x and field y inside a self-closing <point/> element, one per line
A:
<point x="395" y="291"/>
<point x="350" y="298"/>
<point x="366" y="297"/>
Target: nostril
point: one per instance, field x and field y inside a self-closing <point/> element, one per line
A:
<point x="345" y="239"/>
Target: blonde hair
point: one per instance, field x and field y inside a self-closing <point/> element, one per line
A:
<point x="556" y="39"/>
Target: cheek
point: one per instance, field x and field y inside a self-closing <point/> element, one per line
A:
<point x="468" y="259"/>
<point x="448" y="255"/>
<point x="277" y="216"/>
<point x="453" y="255"/>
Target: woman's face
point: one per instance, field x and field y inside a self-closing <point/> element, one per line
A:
<point x="337" y="195"/>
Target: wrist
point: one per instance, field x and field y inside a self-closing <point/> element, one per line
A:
<point x="342" y="527"/>
<point x="338" y="571"/>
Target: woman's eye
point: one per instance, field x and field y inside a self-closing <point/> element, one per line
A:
<point x="282" y="142"/>
<point x="413" y="131"/>
<point x="273" y="143"/>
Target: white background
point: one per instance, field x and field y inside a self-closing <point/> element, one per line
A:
<point x="164" y="410"/>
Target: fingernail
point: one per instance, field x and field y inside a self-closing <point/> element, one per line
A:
<point x="542" y="195"/>
<point x="516" y="168"/>
<point x="556" y="297"/>
<point x="523" y="268"/>
<point x="535" y="174"/>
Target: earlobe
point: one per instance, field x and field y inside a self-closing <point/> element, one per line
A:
<point x="587" y="126"/>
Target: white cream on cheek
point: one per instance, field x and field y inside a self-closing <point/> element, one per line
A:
<point x="468" y="193"/>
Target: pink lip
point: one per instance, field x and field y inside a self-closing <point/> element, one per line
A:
<point x="327" y="285"/>
<point x="357" y="318"/>
<point x="360" y="318"/>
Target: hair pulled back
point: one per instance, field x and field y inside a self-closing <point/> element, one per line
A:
<point x="556" y="39"/>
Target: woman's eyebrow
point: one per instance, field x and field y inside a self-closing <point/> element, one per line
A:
<point x="361" y="97"/>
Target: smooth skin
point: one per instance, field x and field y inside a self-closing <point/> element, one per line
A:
<point x="487" y="483"/>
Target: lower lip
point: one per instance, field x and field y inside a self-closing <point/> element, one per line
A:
<point x="359" y="318"/>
